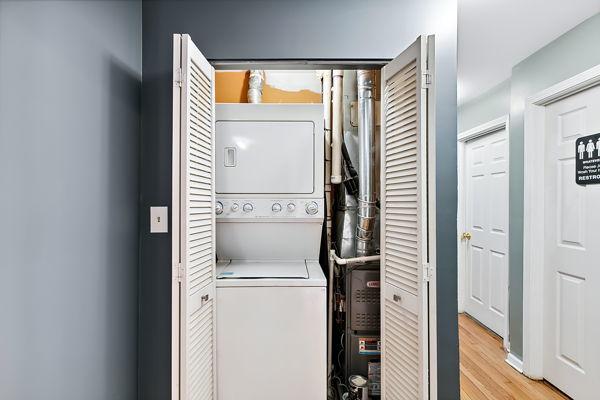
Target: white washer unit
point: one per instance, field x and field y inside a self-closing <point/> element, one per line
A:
<point x="271" y="291"/>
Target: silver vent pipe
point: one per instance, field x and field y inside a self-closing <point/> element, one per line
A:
<point x="255" y="86"/>
<point x="366" y="163"/>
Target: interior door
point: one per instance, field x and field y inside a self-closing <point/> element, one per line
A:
<point x="487" y="229"/>
<point x="194" y="135"/>
<point x="406" y="220"/>
<point x="572" y="250"/>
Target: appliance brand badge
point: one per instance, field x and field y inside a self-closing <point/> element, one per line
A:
<point x="373" y="284"/>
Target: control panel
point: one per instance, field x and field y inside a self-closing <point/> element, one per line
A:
<point x="369" y="345"/>
<point x="269" y="208"/>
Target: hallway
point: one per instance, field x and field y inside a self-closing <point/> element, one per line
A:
<point x="484" y="375"/>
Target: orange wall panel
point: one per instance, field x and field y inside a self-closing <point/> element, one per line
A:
<point x="274" y="95"/>
<point x="231" y="86"/>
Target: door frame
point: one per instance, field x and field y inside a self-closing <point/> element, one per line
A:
<point x="493" y="126"/>
<point x="294" y="64"/>
<point x="533" y="218"/>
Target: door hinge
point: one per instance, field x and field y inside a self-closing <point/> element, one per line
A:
<point x="427" y="272"/>
<point x="427" y="79"/>
<point x="178" y="77"/>
<point x="178" y="272"/>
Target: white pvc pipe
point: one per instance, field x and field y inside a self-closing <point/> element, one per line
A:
<point x="336" y="132"/>
<point x="327" y="111"/>
<point x="330" y="306"/>
<point x="354" y="260"/>
<point x="326" y="75"/>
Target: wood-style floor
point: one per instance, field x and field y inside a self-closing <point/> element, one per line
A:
<point x="484" y="375"/>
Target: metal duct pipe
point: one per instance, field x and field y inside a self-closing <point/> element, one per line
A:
<point x="255" y="86"/>
<point x="366" y="165"/>
<point x="336" y="132"/>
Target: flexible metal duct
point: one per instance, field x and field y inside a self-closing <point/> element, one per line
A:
<point x="255" y="86"/>
<point x="366" y="165"/>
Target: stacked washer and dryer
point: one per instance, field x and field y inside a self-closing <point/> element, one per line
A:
<point x="271" y="291"/>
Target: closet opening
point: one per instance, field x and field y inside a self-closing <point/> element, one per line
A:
<point x="304" y="250"/>
<point x="353" y="285"/>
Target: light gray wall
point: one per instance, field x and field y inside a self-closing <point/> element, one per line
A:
<point x="492" y="104"/>
<point x="70" y="77"/>
<point x="255" y="29"/>
<point x="568" y="55"/>
<point x="572" y="53"/>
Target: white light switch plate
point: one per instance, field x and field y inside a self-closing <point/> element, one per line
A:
<point x="159" y="219"/>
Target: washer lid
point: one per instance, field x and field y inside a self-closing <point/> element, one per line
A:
<point x="238" y="269"/>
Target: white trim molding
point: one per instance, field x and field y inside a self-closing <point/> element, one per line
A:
<point x="568" y="87"/>
<point x="484" y="129"/>
<point x="533" y="230"/>
<point x="514" y="362"/>
<point x="487" y="128"/>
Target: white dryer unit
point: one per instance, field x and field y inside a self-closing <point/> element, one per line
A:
<point x="271" y="291"/>
<point x="269" y="181"/>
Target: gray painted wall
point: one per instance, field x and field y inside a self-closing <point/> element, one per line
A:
<point x="287" y="29"/>
<point x="492" y="104"/>
<point x="570" y="54"/>
<point x="70" y="77"/>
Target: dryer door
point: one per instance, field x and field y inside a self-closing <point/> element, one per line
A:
<point x="260" y="157"/>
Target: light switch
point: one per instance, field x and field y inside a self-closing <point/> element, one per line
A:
<point x="159" y="219"/>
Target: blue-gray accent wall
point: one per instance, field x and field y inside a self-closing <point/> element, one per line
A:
<point x="568" y="55"/>
<point x="285" y="29"/>
<point x="70" y="81"/>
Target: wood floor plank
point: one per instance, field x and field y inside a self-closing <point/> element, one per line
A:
<point x="484" y="373"/>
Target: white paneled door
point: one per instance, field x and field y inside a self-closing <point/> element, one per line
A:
<point x="486" y="235"/>
<point x="194" y="329"/>
<point x="407" y="222"/>
<point x="572" y="251"/>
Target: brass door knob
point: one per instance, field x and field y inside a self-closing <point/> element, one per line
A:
<point x="466" y="235"/>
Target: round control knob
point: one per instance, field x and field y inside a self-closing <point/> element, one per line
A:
<point x="219" y="208"/>
<point x="291" y="207"/>
<point x="235" y="207"/>
<point x="312" y="208"/>
<point x="247" y="207"/>
<point x="276" y="207"/>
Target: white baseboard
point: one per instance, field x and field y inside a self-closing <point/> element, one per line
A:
<point x="514" y="362"/>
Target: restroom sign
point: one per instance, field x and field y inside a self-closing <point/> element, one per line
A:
<point x="587" y="160"/>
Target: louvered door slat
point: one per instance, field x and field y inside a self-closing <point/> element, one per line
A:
<point x="197" y="314"/>
<point x="404" y="188"/>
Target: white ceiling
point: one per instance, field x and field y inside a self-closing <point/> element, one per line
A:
<point x="494" y="35"/>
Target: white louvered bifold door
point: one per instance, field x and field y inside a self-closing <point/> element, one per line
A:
<point x="197" y="230"/>
<point x="404" y="224"/>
